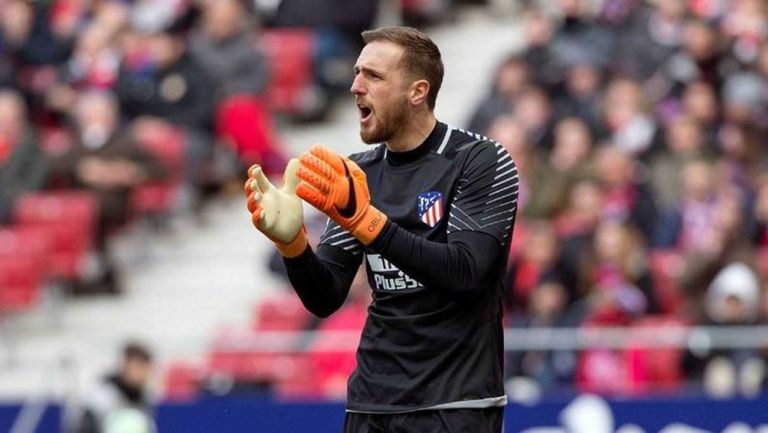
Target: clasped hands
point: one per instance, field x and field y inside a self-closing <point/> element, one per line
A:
<point x="333" y="184"/>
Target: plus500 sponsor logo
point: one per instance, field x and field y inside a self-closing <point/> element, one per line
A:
<point x="387" y="276"/>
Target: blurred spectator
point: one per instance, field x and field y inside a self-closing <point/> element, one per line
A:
<point x="106" y="161"/>
<point x="745" y="26"/>
<point x="626" y="197"/>
<point x="616" y="13"/>
<point x="539" y="55"/>
<point x="508" y="132"/>
<point x="629" y="124"/>
<point x="549" y="369"/>
<point x="733" y="299"/>
<point x="533" y="110"/>
<point x="38" y="39"/>
<point x="120" y="402"/>
<point x="743" y="94"/>
<point x="576" y="225"/>
<point x="532" y="265"/>
<point x="651" y="35"/>
<point x="741" y="161"/>
<point x="761" y="68"/>
<point x="224" y="48"/>
<point x="699" y="102"/>
<point x="580" y="38"/>
<point x="690" y="225"/>
<point x="34" y="34"/>
<point x="683" y="143"/>
<point x="722" y="239"/>
<point x="152" y="16"/>
<point x="508" y="83"/>
<point x="616" y="269"/>
<point x="698" y="60"/>
<point x="583" y="209"/>
<point x="581" y="96"/>
<point x="555" y="171"/>
<point x="709" y="217"/>
<point x="620" y="292"/>
<point x="22" y="165"/>
<point x="95" y="59"/>
<point x="170" y="85"/>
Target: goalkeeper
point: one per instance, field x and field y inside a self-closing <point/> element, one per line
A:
<point x="429" y="210"/>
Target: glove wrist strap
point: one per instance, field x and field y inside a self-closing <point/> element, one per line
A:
<point x="295" y="247"/>
<point x="369" y="225"/>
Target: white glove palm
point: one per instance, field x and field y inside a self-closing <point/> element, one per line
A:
<point x="277" y="213"/>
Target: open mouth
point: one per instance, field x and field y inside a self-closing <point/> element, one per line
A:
<point x="365" y="112"/>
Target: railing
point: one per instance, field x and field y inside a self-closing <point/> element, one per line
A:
<point x="525" y="339"/>
<point x="516" y="339"/>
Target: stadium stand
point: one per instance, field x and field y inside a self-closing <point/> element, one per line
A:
<point x="638" y="127"/>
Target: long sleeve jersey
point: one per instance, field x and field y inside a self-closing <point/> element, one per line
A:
<point x="433" y="338"/>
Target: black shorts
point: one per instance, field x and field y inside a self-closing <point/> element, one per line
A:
<point x="487" y="420"/>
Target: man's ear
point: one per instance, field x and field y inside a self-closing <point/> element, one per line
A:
<point x="418" y="92"/>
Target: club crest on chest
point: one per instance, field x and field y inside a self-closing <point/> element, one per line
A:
<point x="430" y="206"/>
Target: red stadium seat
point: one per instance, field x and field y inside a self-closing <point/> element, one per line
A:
<point x="20" y="282"/>
<point x="280" y="313"/>
<point x="23" y="267"/>
<point x="333" y="354"/>
<point x="168" y="145"/>
<point x="290" y="53"/>
<point x="299" y="379"/>
<point x="240" y="357"/>
<point x="70" y="219"/>
<point x="182" y="381"/>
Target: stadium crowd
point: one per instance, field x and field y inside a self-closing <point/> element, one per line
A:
<point x="638" y="128"/>
<point x="140" y="102"/>
<point x="639" y="131"/>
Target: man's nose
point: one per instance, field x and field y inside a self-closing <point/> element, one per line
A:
<point x="357" y="86"/>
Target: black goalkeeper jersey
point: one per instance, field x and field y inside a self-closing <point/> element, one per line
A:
<point x="433" y="338"/>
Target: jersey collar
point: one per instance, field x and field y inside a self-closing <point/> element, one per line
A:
<point x="431" y="143"/>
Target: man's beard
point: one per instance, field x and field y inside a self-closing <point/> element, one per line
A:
<point x="386" y="127"/>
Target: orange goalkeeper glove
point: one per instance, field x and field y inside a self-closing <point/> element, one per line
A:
<point x="277" y="212"/>
<point x="336" y="186"/>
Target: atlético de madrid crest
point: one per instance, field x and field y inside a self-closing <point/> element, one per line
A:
<point x="430" y="207"/>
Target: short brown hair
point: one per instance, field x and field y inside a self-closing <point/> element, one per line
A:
<point x="135" y="351"/>
<point x="421" y="57"/>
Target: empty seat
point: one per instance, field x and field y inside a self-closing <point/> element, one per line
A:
<point x="182" y="381"/>
<point x="283" y="312"/>
<point x="70" y="219"/>
<point x="23" y="267"/>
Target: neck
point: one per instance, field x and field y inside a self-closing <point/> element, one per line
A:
<point x="413" y="133"/>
